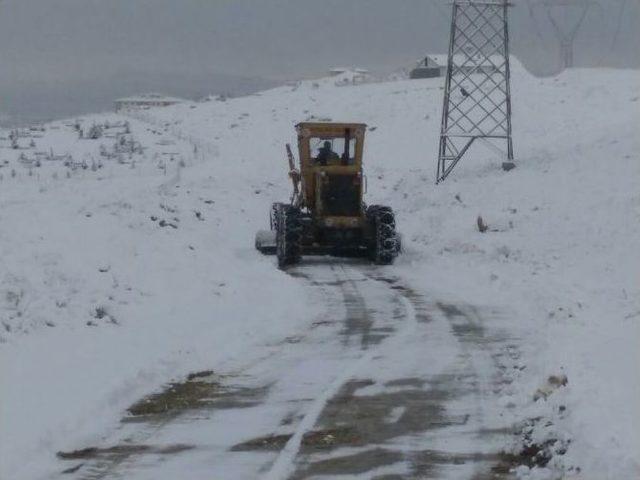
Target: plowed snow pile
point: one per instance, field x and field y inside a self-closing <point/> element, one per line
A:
<point x="130" y="260"/>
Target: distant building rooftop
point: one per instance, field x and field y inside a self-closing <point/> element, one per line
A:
<point x="435" y="65"/>
<point x="339" y="70"/>
<point x="428" y="67"/>
<point x="145" y="100"/>
<point x="443" y="59"/>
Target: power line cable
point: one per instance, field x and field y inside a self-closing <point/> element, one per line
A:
<point x="616" y="35"/>
<point x="536" y="24"/>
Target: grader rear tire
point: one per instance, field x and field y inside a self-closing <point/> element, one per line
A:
<point x="384" y="244"/>
<point x="288" y="235"/>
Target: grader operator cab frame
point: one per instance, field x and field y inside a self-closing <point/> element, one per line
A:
<point x="326" y="214"/>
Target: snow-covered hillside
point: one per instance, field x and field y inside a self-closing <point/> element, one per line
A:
<point x="134" y="263"/>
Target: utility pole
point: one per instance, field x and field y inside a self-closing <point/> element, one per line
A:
<point x="565" y="32"/>
<point x="477" y="94"/>
<point x="567" y="38"/>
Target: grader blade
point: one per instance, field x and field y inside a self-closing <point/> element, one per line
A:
<point x="266" y="242"/>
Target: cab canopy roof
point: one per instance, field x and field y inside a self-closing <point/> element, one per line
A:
<point x="332" y="129"/>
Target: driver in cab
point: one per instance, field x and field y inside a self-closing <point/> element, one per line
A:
<point x="326" y="155"/>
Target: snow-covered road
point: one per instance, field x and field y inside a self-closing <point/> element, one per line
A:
<point x="386" y="383"/>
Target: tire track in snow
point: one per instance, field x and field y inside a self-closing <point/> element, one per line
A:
<point x="447" y="428"/>
<point x="284" y="465"/>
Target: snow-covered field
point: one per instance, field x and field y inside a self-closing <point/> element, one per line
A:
<point x="140" y="268"/>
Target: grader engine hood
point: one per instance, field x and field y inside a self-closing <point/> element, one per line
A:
<point x="338" y="194"/>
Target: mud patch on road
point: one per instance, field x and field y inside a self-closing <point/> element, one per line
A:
<point x="92" y="453"/>
<point x="405" y="408"/>
<point x="97" y="462"/>
<point x="425" y="463"/>
<point x="422" y="464"/>
<point x="201" y="390"/>
<point x="353" y="464"/>
<point x="422" y="409"/>
<point x="314" y="440"/>
<point x="269" y="442"/>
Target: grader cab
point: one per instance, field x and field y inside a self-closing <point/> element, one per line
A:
<point x="326" y="214"/>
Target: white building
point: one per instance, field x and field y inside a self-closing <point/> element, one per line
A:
<point x="428" y="68"/>
<point x="353" y="76"/>
<point x="144" y="101"/>
<point x="340" y="70"/>
<point x="472" y="63"/>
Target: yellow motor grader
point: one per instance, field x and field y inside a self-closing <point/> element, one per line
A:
<point x="326" y="214"/>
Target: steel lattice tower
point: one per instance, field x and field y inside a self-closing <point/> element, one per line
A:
<point x="477" y="94"/>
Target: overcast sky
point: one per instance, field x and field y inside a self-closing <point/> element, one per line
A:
<point x="61" y="54"/>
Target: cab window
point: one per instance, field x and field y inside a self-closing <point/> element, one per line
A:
<point x="333" y="151"/>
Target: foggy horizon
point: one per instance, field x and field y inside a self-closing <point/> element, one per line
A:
<point x="71" y="57"/>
